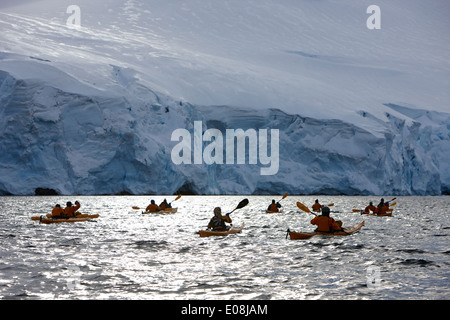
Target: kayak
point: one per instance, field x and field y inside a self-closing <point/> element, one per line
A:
<point x="168" y="210"/>
<point x="279" y="211"/>
<point x="69" y="220"/>
<point x="232" y="230"/>
<point x="306" y="235"/>
<point x="90" y="216"/>
<point x="81" y="215"/>
<point x="387" y="214"/>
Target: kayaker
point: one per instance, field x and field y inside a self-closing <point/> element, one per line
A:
<point x="217" y="223"/>
<point x="382" y="207"/>
<point x="70" y="210"/>
<point x="325" y="223"/>
<point x="164" y="205"/>
<point x="274" y="206"/>
<point x="57" y="212"/>
<point x="317" y="206"/>
<point x="152" y="207"/>
<point x="370" y="208"/>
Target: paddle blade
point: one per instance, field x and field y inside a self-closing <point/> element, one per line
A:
<point x="179" y="196"/>
<point x="302" y="207"/>
<point x="356" y="210"/>
<point x="136" y="208"/>
<point x="393" y="204"/>
<point x="242" y="204"/>
<point x="35" y="218"/>
<point x="331" y="204"/>
<point x="285" y="195"/>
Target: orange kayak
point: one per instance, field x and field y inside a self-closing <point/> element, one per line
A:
<point x="232" y="230"/>
<point x="306" y="235"/>
<point x="279" y="211"/>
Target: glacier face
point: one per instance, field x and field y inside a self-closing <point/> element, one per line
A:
<point x="92" y="110"/>
<point x="100" y="144"/>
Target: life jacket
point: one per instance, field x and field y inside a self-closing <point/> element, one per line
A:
<point x="325" y="224"/>
<point x="382" y="208"/>
<point x="152" y="208"/>
<point x="273" y="207"/>
<point x="370" y="208"/>
<point x="70" y="211"/>
<point x="217" y="224"/>
<point x="57" y="212"/>
<point x="316" y="207"/>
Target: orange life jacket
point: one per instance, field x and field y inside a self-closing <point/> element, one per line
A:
<point x="152" y="208"/>
<point x="57" y="212"/>
<point x="370" y="208"/>
<point x="383" y="208"/>
<point x="70" y="211"/>
<point x="273" y="207"/>
<point x="325" y="224"/>
<point x="316" y="207"/>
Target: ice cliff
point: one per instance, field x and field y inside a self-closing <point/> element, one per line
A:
<point x="100" y="144"/>
<point x="91" y="111"/>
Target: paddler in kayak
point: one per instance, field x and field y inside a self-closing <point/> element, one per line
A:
<point x="370" y="208"/>
<point x="274" y="206"/>
<point x="164" y="205"/>
<point x="317" y="206"/>
<point x="382" y="207"/>
<point x="217" y="223"/>
<point x="153" y="207"/>
<point x="70" y="210"/>
<point x="57" y="212"/>
<point x="325" y="223"/>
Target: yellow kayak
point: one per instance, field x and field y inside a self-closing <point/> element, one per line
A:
<point x="68" y="220"/>
<point x="168" y="210"/>
<point x="232" y="230"/>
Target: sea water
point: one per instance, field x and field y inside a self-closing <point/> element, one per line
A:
<point x="125" y="254"/>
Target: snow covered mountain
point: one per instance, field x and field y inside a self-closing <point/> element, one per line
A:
<point x="91" y="109"/>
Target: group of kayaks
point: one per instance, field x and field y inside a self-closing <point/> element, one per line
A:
<point x="47" y="219"/>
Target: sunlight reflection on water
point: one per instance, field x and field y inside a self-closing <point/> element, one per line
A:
<point x="126" y="255"/>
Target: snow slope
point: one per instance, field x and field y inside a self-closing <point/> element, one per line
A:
<point x="92" y="109"/>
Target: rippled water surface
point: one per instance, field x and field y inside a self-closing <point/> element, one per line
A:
<point x="126" y="255"/>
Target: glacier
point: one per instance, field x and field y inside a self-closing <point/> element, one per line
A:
<point x="92" y="110"/>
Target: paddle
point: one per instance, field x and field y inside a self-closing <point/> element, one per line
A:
<point x="241" y="204"/>
<point x="302" y="207"/>
<point x="284" y="197"/>
<point x="138" y="208"/>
